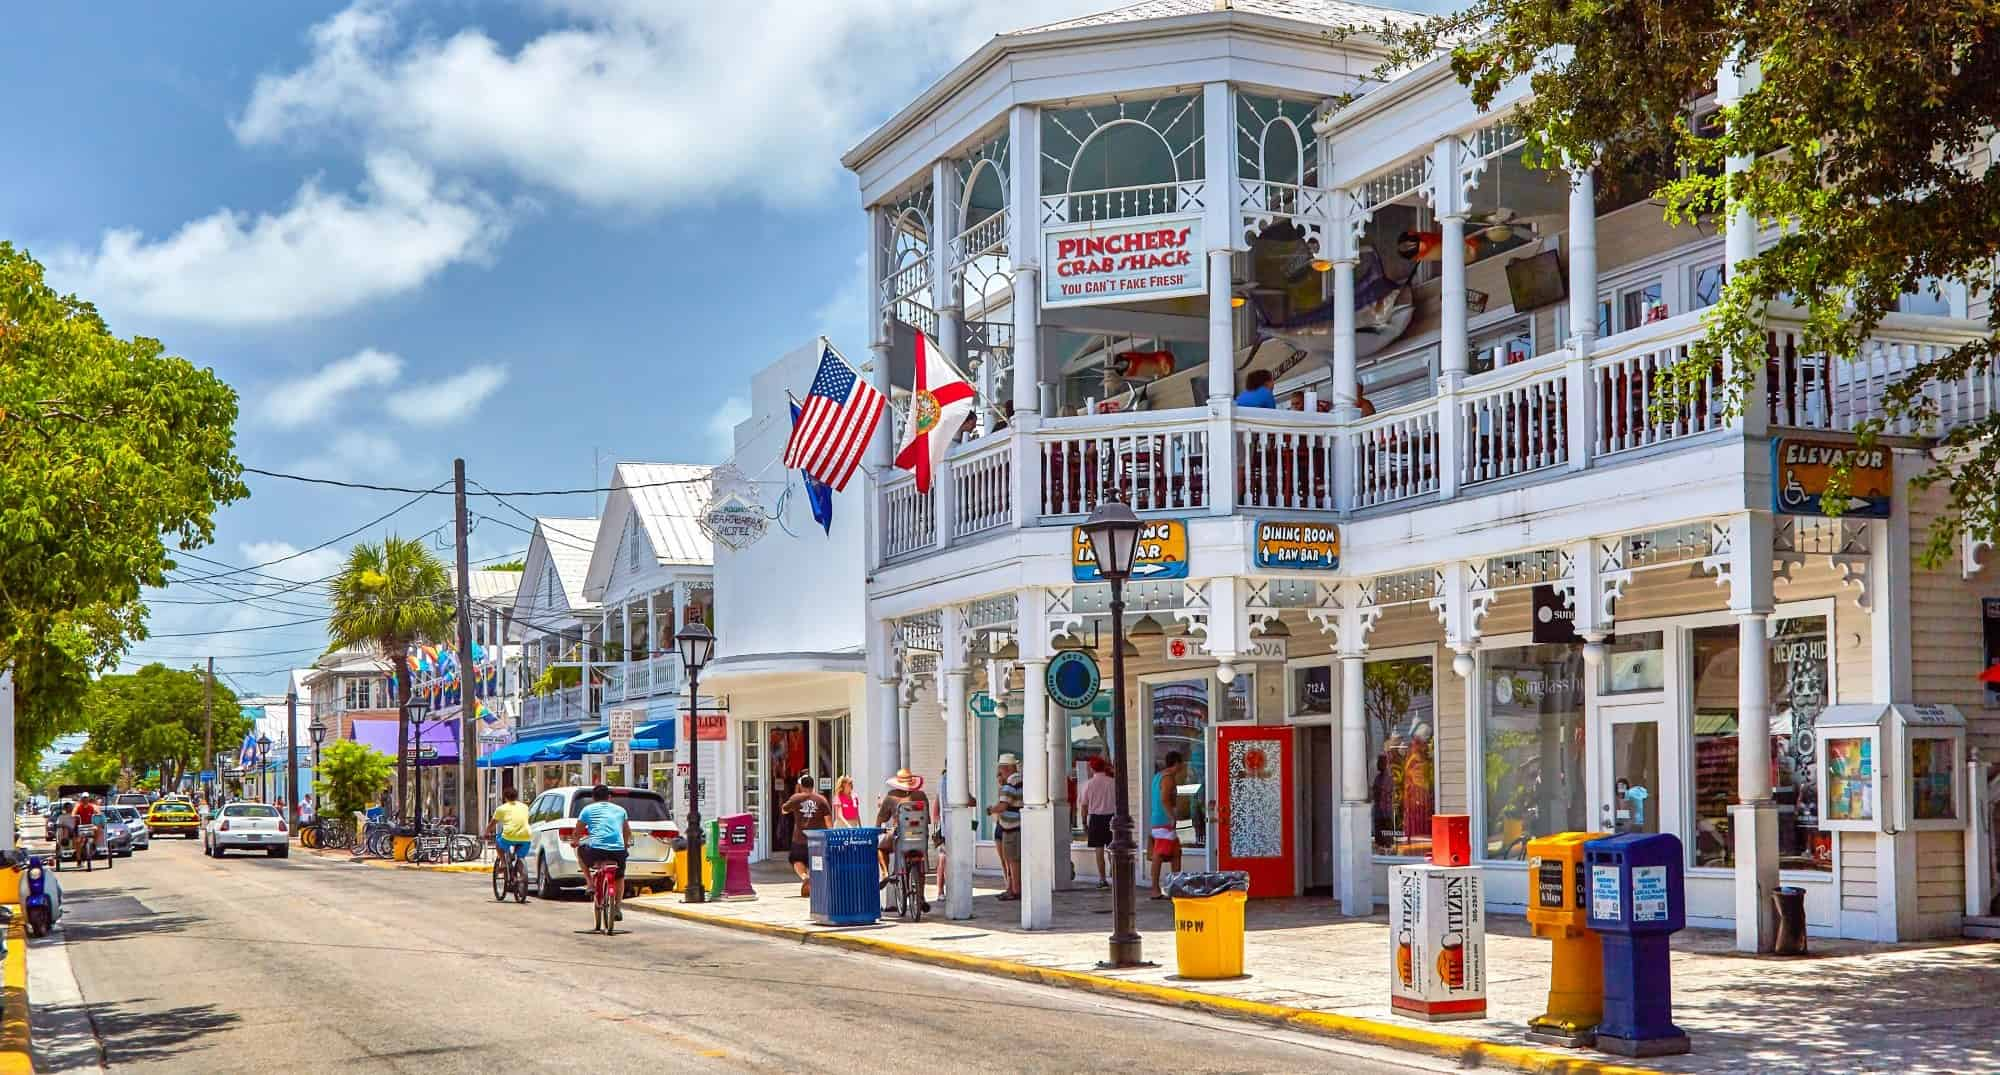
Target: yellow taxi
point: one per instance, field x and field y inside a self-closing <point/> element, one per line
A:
<point x="173" y="817"/>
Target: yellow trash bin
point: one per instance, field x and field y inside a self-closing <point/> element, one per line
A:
<point x="400" y="849"/>
<point x="1208" y="935"/>
<point x="681" y="861"/>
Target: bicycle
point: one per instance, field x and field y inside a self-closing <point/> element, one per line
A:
<point x="605" y="894"/>
<point x="509" y="878"/>
<point x="909" y="881"/>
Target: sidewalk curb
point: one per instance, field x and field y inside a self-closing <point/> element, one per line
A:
<point x="15" y="1048"/>
<point x="1466" y="1052"/>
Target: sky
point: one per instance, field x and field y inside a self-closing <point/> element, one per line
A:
<point x="540" y="235"/>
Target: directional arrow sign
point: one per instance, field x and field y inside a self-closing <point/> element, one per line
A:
<point x="1162" y="553"/>
<point x="981" y="704"/>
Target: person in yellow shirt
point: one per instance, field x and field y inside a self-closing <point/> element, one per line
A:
<point x="509" y="825"/>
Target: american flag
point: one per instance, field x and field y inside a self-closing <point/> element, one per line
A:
<point x="840" y="415"/>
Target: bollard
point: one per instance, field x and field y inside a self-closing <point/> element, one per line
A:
<point x="1637" y="900"/>
<point x="1557" y="909"/>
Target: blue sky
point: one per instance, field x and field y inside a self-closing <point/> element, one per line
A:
<point x="529" y="233"/>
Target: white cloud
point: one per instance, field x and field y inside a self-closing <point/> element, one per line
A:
<point x="325" y="253"/>
<point x="722" y="425"/>
<point x="843" y="318"/>
<point x="316" y="397"/>
<point x="450" y="400"/>
<point x="635" y="103"/>
<point x="306" y="567"/>
<point x="353" y="453"/>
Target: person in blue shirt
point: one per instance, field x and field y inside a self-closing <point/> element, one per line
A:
<point x="1257" y="391"/>
<point x="1163" y="820"/>
<point x="603" y="833"/>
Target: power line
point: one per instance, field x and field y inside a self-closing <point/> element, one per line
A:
<point x="484" y="491"/>
<point x="340" y="537"/>
<point x="240" y="630"/>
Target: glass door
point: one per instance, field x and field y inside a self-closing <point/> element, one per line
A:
<point x="1637" y="783"/>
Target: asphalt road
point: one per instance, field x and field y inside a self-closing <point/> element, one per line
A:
<point x="174" y="962"/>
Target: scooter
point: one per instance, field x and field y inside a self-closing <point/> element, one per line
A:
<point x="41" y="897"/>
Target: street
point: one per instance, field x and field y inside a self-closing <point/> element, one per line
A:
<point x="175" y="962"/>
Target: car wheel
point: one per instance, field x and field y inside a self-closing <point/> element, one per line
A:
<point x="546" y="886"/>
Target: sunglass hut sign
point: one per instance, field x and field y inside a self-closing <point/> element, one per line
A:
<point x="1118" y="261"/>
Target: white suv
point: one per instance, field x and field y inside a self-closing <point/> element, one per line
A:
<point x="246" y="827"/>
<point x="551" y="861"/>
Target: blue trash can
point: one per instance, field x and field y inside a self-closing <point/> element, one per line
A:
<point x="845" y="876"/>
<point x="1637" y="900"/>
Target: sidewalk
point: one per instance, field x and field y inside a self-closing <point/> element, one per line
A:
<point x="1848" y="1007"/>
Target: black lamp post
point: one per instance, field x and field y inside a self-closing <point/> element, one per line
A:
<point x="696" y="644"/>
<point x="1114" y="540"/>
<point x="417" y="712"/>
<point x="317" y="729"/>
<point x="264" y="767"/>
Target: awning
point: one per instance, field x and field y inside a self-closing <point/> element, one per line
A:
<point x="437" y="745"/>
<point x="657" y="735"/>
<point x="523" y="750"/>
<point x="568" y="748"/>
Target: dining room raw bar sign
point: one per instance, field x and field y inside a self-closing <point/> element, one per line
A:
<point x="1294" y="543"/>
<point x="1153" y="257"/>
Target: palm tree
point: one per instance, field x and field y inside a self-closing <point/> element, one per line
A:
<point x="393" y="596"/>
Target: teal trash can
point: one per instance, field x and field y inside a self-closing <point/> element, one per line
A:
<point x="845" y="876"/>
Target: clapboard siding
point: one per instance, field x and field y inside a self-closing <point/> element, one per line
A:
<point x="1857" y="871"/>
<point x="1940" y="873"/>
<point x="1947" y="653"/>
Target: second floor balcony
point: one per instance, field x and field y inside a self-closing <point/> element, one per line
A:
<point x="1525" y="422"/>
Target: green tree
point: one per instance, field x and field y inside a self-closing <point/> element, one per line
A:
<point x="393" y="596"/>
<point x="1863" y="130"/>
<point x="351" y="775"/>
<point x="109" y="448"/>
<point x="154" y="718"/>
<point x="86" y="766"/>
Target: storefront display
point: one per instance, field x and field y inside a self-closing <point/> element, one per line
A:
<point x="1178" y="722"/>
<point x="1532" y="734"/>
<point x="1801" y="685"/>
<point x="1403" y="770"/>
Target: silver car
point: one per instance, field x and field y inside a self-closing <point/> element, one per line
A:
<point x="134" y="821"/>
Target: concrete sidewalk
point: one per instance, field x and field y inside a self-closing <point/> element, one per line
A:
<point x="1849" y="1007"/>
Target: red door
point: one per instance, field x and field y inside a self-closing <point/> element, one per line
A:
<point x="1254" y="807"/>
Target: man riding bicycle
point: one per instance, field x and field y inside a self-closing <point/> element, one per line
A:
<point x="602" y="835"/>
<point x="905" y="790"/>
<point x="508" y="828"/>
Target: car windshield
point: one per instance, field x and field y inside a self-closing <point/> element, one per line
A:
<point x="172" y="808"/>
<point x="639" y="805"/>
<point x="123" y="813"/>
<point x="258" y="810"/>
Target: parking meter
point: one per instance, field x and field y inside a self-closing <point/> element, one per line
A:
<point x="1637" y="901"/>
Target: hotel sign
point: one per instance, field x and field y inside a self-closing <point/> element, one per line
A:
<point x="1802" y="468"/>
<point x="1126" y="260"/>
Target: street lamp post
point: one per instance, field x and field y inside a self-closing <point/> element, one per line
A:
<point x="317" y="729"/>
<point x="417" y="712"/>
<point x="696" y="644"/>
<point x="264" y="767"/>
<point x="1114" y="538"/>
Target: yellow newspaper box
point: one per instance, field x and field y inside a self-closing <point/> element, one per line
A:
<point x="1558" y="908"/>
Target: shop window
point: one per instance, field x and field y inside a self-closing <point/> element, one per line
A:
<point x="1179" y="722"/>
<point x="997" y="735"/>
<point x="1312" y="691"/>
<point x="1239" y="698"/>
<point x="1532" y="731"/>
<point x="1402" y="725"/>
<point x="1634" y="664"/>
<point x="1800" y="690"/>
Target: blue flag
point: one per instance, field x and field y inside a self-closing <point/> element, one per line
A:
<point x="818" y="493"/>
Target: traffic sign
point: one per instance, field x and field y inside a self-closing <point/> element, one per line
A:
<point x="1162" y="553"/>
<point x="1073" y="679"/>
<point x="208" y="774"/>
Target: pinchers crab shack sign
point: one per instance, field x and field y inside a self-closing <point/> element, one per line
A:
<point x="1123" y="260"/>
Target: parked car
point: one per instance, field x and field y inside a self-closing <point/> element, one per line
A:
<point x="135" y="825"/>
<point x="247" y="827"/>
<point x="552" y="817"/>
<point x="171" y="817"/>
<point x="133" y="798"/>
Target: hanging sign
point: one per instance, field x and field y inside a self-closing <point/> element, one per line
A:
<point x="1298" y="544"/>
<point x="981" y="704"/>
<point x="1802" y="468"/>
<point x="708" y="727"/>
<point x="1261" y="649"/>
<point x="1073" y="679"/>
<point x="732" y="520"/>
<point x="1125" y="260"/>
<point x="1554" y="619"/>
<point x="1162" y="553"/>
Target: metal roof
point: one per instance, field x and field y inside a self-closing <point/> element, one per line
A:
<point x="669" y="498"/>
<point x="1328" y="12"/>
<point x="568" y="544"/>
<point x="495" y="588"/>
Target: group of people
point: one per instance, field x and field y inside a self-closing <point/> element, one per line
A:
<point x="78" y="831"/>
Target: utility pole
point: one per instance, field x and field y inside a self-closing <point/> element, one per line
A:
<point x="468" y="673"/>
<point x="208" y="729"/>
<point x="292" y="756"/>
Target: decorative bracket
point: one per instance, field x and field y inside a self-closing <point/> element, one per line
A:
<point x="1348" y="612"/>
<point x="1059" y="616"/>
<point x="1461" y="598"/>
<point x="1596" y="570"/>
<point x="1968" y="547"/>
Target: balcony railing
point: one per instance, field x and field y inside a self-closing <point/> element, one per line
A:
<point x="564" y="706"/>
<point x="1524" y="422"/>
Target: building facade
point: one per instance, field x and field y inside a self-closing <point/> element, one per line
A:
<point x="1468" y="564"/>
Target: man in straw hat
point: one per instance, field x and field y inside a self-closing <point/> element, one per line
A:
<point x="904" y="787"/>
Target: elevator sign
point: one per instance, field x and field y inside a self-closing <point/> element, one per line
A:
<point x="1126" y="260"/>
<point x="1162" y="553"/>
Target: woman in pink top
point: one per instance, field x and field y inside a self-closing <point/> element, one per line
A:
<point x="846" y="809"/>
<point x="1099" y="799"/>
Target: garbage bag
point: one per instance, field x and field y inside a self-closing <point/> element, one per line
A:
<point x="1195" y="885"/>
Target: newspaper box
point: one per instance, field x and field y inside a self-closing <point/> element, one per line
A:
<point x="1437" y="931"/>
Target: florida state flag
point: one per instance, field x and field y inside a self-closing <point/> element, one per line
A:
<point x="937" y="410"/>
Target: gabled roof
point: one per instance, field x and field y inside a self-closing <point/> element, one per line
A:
<point x="1329" y="12"/>
<point x="347" y="660"/>
<point x="566" y="544"/>
<point x="496" y="588"/>
<point x="667" y="499"/>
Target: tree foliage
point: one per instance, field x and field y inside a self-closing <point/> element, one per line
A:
<point x="1866" y="122"/>
<point x="393" y="596"/>
<point x="153" y="717"/>
<point x="351" y="774"/>
<point x="109" y="448"/>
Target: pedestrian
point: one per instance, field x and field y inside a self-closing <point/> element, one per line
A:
<point x="306" y="810"/>
<point x="1006" y="813"/>
<point x="1099" y="800"/>
<point x="808" y="810"/>
<point x="846" y="808"/>
<point x="1164" y="800"/>
<point x="1257" y="391"/>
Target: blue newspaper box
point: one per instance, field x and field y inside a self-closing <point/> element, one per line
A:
<point x="1637" y="901"/>
<point x="845" y="876"/>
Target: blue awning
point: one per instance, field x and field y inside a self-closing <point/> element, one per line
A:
<point x="657" y="735"/>
<point x="527" y="748"/>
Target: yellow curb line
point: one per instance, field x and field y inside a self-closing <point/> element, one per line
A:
<point x="15" y="1056"/>
<point x="1466" y="1052"/>
<point x="389" y="864"/>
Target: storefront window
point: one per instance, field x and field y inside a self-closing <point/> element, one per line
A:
<point x="1089" y="737"/>
<point x="1533" y="735"/>
<point x="1312" y="691"/>
<point x="1633" y="664"/>
<point x="1800" y="688"/>
<point x="1179" y="722"/>
<point x="1401" y="725"/>
<point x="997" y="735"/>
<point x="1239" y="698"/>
